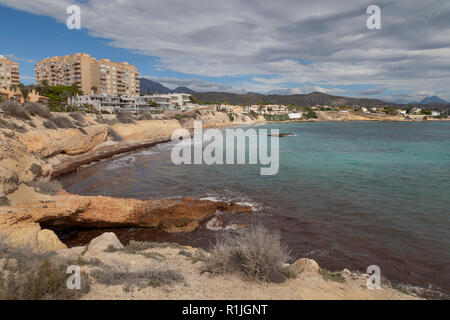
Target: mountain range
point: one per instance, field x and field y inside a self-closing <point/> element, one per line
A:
<point x="149" y="86"/>
<point x="432" y="99"/>
<point x="310" y="99"/>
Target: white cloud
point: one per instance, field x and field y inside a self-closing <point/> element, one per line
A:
<point x="273" y="41"/>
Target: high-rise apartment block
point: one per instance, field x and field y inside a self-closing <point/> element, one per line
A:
<point x="103" y="76"/>
<point x="9" y="73"/>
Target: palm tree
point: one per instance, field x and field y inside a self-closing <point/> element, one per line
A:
<point x="94" y="89"/>
<point x="24" y="92"/>
<point x="43" y="87"/>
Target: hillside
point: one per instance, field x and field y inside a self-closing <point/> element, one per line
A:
<point x="314" y="98"/>
<point x="433" y="99"/>
<point x="152" y="86"/>
<point x="310" y="99"/>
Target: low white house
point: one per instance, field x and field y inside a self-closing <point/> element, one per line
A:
<point x="415" y="111"/>
<point x="435" y="113"/>
<point x="295" y="115"/>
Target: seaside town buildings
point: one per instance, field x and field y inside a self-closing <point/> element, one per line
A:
<point x="92" y="76"/>
<point x="13" y="94"/>
<point x="172" y="101"/>
<point x="111" y="86"/>
<point x="9" y="73"/>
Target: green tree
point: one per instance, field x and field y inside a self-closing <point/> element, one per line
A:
<point x="43" y="88"/>
<point x="24" y="92"/>
<point x="193" y="99"/>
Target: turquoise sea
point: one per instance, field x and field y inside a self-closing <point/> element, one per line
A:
<point x="349" y="194"/>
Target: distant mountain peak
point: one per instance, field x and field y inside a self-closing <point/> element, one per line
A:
<point x="183" y="90"/>
<point x="432" y="99"/>
<point x="150" y="86"/>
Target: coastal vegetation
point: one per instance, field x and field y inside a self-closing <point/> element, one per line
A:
<point x="26" y="275"/>
<point x="256" y="253"/>
<point x="276" y="117"/>
<point x="332" y="276"/>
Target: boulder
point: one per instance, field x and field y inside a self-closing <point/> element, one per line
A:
<point x="32" y="238"/>
<point x="102" y="243"/>
<point x="304" y="265"/>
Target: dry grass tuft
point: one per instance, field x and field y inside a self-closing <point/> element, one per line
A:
<point x="63" y="122"/>
<point x="38" y="109"/>
<point x="14" y="110"/>
<point x="124" y="117"/>
<point x="148" y="278"/>
<point x="78" y="117"/>
<point x="34" y="276"/>
<point x="49" y="125"/>
<point x="256" y="253"/>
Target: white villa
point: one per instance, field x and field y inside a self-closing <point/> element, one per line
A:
<point x="435" y="113"/>
<point x="295" y="115"/>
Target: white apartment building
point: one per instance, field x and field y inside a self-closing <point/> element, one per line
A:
<point x="112" y="103"/>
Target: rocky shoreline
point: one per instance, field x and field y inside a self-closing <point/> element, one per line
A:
<point x="36" y="151"/>
<point x="31" y="151"/>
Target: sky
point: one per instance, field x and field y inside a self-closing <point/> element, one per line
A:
<point x="281" y="47"/>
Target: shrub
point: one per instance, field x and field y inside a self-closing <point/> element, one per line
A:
<point x="46" y="281"/>
<point x="114" y="135"/>
<point x="151" y="277"/>
<point x="124" y="117"/>
<point x="135" y="246"/>
<point x="253" y="114"/>
<point x="332" y="276"/>
<point x="14" y="110"/>
<point x="4" y="202"/>
<point x="38" y="109"/>
<point x="106" y="121"/>
<point x="255" y="253"/>
<point x="145" y="116"/>
<point x="35" y="277"/>
<point x="36" y="169"/>
<point x="310" y="115"/>
<point x="50" y="187"/>
<point x="49" y="125"/>
<point x="63" y="122"/>
<point x="77" y="116"/>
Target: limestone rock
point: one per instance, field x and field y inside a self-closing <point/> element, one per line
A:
<point x="31" y="237"/>
<point x="102" y="243"/>
<point x="304" y="265"/>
